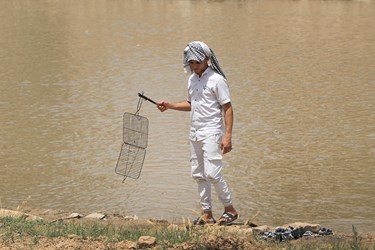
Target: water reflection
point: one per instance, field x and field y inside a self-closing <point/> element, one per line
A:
<point x="301" y="76"/>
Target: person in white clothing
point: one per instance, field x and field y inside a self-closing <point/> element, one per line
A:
<point x="211" y="114"/>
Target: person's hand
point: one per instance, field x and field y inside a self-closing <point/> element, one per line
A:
<point x="226" y="144"/>
<point x="162" y="106"/>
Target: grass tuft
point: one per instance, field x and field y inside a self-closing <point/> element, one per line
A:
<point x="184" y="236"/>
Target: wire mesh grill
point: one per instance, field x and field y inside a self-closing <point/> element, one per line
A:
<point x="135" y="137"/>
<point x="130" y="161"/>
<point x="135" y="130"/>
<point x="133" y="152"/>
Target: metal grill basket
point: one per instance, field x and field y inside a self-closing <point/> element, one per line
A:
<point x="135" y="137"/>
<point x="135" y="130"/>
<point x="133" y="150"/>
<point x="130" y="161"/>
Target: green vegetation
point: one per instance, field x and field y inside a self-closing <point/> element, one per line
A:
<point x="167" y="236"/>
<point x="24" y="228"/>
<point x="12" y="229"/>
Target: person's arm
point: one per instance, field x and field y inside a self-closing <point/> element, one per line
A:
<point x="180" y="106"/>
<point x="226" y="143"/>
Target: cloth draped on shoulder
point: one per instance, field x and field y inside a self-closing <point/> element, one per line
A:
<point x="198" y="51"/>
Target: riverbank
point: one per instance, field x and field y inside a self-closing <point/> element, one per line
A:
<point x="47" y="229"/>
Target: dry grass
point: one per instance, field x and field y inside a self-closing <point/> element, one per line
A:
<point x="19" y="233"/>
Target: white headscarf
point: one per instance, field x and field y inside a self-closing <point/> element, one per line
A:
<point x="198" y="51"/>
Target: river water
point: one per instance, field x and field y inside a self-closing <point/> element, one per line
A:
<point x="302" y="80"/>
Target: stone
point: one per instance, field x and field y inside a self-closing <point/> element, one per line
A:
<point x="131" y="218"/>
<point x="18" y="214"/>
<point x="96" y="216"/>
<point x="306" y="226"/>
<point x="74" y="216"/>
<point x="126" y="245"/>
<point x="146" y="241"/>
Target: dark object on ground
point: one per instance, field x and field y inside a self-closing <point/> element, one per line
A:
<point x="290" y="233"/>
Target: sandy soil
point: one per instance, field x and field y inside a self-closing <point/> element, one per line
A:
<point x="242" y="234"/>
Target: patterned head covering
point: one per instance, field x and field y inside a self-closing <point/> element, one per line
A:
<point x="198" y="51"/>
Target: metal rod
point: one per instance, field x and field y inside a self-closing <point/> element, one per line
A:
<point x="146" y="98"/>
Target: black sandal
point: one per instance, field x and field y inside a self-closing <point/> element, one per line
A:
<point x="228" y="218"/>
<point x="200" y="221"/>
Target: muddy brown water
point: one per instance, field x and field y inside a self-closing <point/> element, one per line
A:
<point x="302" y="79"/>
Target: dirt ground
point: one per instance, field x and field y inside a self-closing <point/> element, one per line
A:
<point x="211" y="241"/>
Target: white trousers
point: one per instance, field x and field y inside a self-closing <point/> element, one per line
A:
<point x="206" y="165"/>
